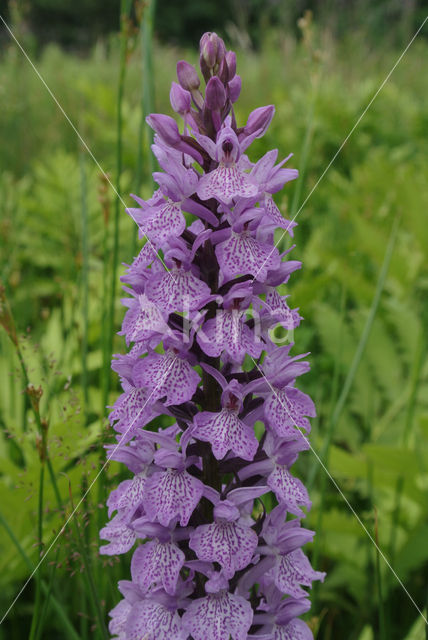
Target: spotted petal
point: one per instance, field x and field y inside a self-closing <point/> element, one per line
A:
<point x="288" y="490"/>
<point x="119" y="616"/>
<point x="143" y="320"/>
<point x="167" y="375"/>
<point x="177" y="290"/>
<point x="294" y="630"/>
<point x="171" y="494"/>
<point x="133" y="410"/>
<point x="287" y="408"/>
<point x="150" y="620"/>
<point x="157" y="564"/>
<point x="225" y="183"/>
<point x="128" y="496"/>
<point x="228" y="332"/>
<point x="293" y="569"/>
<point x="218" y="616"/>
<point x="159" y="223"/>
<point x="120" y="536"/>
<point x="228" y="543"/>
<point x="241" y="254"/>
<point x="274" y="214"/>
<point x="279" y="309"/>
<point x="225" y="431"/>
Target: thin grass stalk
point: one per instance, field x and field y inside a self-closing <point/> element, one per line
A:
<point x="85" y="281"/>
<point x="349" y="380"/>
<point x="382" y="627"/>
<point x="38" y="600"/>
<point x="144" y="157"/>
<point x="89" y="578"/>
<point x="46" y="603"/>
<point x="59" y="609"/>
<point x="124" y="13"/>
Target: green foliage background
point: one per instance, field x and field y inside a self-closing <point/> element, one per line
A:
<point x="365" y="328"/>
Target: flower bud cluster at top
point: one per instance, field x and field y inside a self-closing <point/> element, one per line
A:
<point x="210" y="563"/>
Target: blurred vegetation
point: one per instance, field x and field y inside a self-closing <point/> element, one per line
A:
<point x="363" y="240"/>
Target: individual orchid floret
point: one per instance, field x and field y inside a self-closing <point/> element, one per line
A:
<point x="228" y="332"/>
<point x="168" y="375"/>
<point x="229" y="180"/>
<point x="181" y="100"/>
<point x="158" y="219"/>
<point x="227" y="540"/>
<point x="220" y="615"/>
<point x="210" y="562"/>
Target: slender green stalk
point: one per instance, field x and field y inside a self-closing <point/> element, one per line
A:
<point x="415" y="378"/>
<point x="38" y="600"/>
<point x="85" y="281"/>
<point x="147" y="102"/>
<point x="382" y="628"/>
<point x="349" y="380"/>
<point x="88" y="577"/>
<point x="47" y="597"/>
<point x="124" y="13"/>
<point x="59" y="609"/>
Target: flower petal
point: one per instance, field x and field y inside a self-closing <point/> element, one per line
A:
<point x="121" y="537"/>
<point x="143" y="320"/>
<point x="289" y="490"/>
<point x="157" y="564"/>
<point x="171" y="494"/>
<point x="294" y="630"/>
<point x="293" y="569"/>
<point x="218" y="616"/>
<point x="167" y="375"/>
<point x="228" y="332"/>
<point x="228" y="543"/>
<point x="286" y="409"/>
<point x="225" y="183"/>
<point x="159" y="223"/>
<point x="119" y="616"/>
<point x="225" y="431"/>
<point x="150" y="620"/>
<point x="242" y="254"/>
<point x="177" y="290"/>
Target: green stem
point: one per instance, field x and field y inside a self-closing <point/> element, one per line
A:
<point x="147" y="102"/>
<point x="88" y="577"/>
<point x="382" y="628"/>
<point x="124" y="12"/>
<point x="38" y="602"/>
<point x="85" y="283"/>
<point x="47" y="598"/>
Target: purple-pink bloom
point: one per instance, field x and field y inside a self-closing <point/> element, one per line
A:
<point x="209" y="561"/>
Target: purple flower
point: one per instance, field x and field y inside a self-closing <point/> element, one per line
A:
<point x="209" y="562"/>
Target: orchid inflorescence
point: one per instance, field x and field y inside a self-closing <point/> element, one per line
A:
<point x="212" y="564"/>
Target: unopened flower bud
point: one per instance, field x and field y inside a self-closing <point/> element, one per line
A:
<point x="259" y="119"/>
<point x="212" y="49"/>
<point x="215" y="95"/>
<point x="227" y="67"/>
<point x="234" y="88"/>
<point x="165" y="126"/>
<point x="180" y="99"/>
<point x="187" y="76"/>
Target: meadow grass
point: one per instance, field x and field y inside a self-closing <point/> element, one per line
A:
<point x="362" y="292"/>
